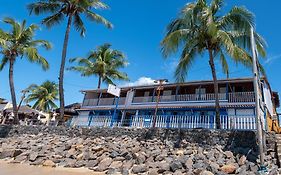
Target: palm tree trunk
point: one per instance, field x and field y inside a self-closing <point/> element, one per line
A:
<point x="216" y="88"/>
<point x="99" y="82"/>
<point x="61" y="76"/>
<point x="12" y="89"/>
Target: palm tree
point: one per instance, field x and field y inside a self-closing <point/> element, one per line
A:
<point x="72" y="10"/>
<point x="19" y="43"/>
<point x="43" y="96"/>
<point x="104" y="63"/>
<point x="200" y="28"/>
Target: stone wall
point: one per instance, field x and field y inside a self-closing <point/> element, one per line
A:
<point x="161" y="151"/>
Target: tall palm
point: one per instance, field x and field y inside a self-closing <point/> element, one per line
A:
<point x="104" y="63"/>
<point x="201" y="28"/>
<point x="20" y="43"/>
<point x="72" y="10"/>
<point x="43" y="96"/>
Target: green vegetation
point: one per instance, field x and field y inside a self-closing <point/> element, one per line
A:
<point x="43" y="96"/>
<point x="104" y="63"/>
<point x="72" y="10"/>
<point x="19" y="43"/>
<point x="201" y="28"/>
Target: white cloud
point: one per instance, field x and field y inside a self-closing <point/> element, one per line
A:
<point x="271" y="59"/>
<point x="142" y="81"/>
<point x="170" y="65"/>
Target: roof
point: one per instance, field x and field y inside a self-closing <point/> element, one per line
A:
<point x="70" y="109"/>
<point x="23" y="110"/>
<point x="231" y="80"/>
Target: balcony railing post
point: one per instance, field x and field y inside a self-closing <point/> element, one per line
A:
<point x="99" y="99"/>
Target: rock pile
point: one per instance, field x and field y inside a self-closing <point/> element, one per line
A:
<point x="130" y="153"/>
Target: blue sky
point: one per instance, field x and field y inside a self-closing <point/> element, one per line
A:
<point x="139" y="26"/>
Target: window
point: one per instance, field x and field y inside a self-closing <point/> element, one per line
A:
<point x="167" y="92"/>
<point x="223" y="90"/>
<point x="146" y="93"/>
<point x="200" y="91"/>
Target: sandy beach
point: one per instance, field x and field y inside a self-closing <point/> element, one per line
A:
<point x="23" y="169"/>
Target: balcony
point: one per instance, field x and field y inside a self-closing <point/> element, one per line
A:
<point x="191" y="122"/>
<point x="103" y="102"/>
<point x="235" y="97"/>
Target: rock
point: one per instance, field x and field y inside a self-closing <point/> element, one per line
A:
<point x="228" y="154"/>
<point x="17" y="152"/>
<point x="97" y="148"/>
<point x="188" y="164"/>
<point x="80" y="156"/>
<point x="38" y="161"/>
<point x="189" y="152"/>
<point x="153" y="172"/>
<point x="241" y="170"/>
<point x="214" y="167"/>
<point x="162" y="166"/>
<point x="229" y="169"/>
<point x="104" y="164"/>
<point x="206" y="173"/>
<point x="139" y="157"/>
<point x="80" y="163"/>
<point x="242" y="160"/>
<point x="180" y="152"/>
<point x="175" y="165"/>
<point x="137" y="169"/>
<point x="92" y="163"/>
<point x="49" y="163"/>
<point x="127" y="165"/>
<point x="116" y="165"/>
<point x="33" y="156"/>
<point x="10" y="153"/>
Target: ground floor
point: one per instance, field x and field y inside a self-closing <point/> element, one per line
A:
<point x="230" y="118"/>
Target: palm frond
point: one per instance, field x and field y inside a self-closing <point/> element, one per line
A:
<point x="54" y="19"/>
<point x="79" y="25"/>
<point x="99" y="19"/>
<point x="4" y="62"/>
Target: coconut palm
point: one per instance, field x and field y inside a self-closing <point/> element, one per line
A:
<point x="104" y="63"/>
<point x="201" y="28"/>
<point x="43" y="96"/>
<point x="20" y="43"/>
<point x="72" y="10"/>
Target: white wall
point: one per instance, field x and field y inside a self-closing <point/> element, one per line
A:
<point x="82" y="119"/>
<point x="268" y="99"/>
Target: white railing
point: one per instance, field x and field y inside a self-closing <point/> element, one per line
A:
<point x="232" y="97"/>
<point x="142" y="99"/>
<point x="208" y="122"/>
<point x="236" y="97"/>
<point x="101" y="121"/>
<point x="103" y="102"/>
<point x="238" y="122"/>
<point x="242" y="97"/>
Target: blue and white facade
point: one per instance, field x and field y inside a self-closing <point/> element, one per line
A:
<point x="186" y="105"/>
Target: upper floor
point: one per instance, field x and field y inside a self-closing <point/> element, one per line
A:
<point x="231" y="91"/>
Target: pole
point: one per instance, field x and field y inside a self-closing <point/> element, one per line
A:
<point x="257" y="99"/>
<point x="156" y="108"/>
<point x="114" y="113"/>
<point x="159" y="88"/>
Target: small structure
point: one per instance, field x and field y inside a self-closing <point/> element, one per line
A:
<point x="70" y="112"/>
<point x="185" y="105"/>
<point x="27" y="115"/>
